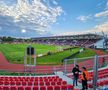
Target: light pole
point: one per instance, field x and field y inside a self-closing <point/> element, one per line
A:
<point x="23" y="32"/>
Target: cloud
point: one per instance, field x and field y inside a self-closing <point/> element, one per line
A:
<point x="102" y="14"/>
<point x="98" y="29"/>
<point x="0" y="28"/>
<point x="106" y="5"/>
<point x="54" y="2"/>
<point x="83" y="18"/>
<point x="35" y="16"/>
<point x="101" y="27"/>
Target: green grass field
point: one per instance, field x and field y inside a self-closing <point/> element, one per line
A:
<point x="56" y="58"/>
<point x="15" y="53"/>
<point x="85" y="54"/>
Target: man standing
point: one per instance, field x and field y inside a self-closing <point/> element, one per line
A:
<point x="75" y="72"/>
<point x="84" y="77"/>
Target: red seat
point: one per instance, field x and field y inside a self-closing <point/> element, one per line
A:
<point x="58" y="83"/>
<point x="50" y="79"/>
<point x="55" y="79"/>
<point x="106" y="82"/>
<point x="59" y="79"/>
<point x="18" y="83"/>
<point x="41" y="83"/>
<point x="1" y="83"/>
<point x="36" y="79"/>
<point x="6" y="88"/>
<point x="20" y="88"/>
<point x="1" y="88"/>
<point x="42" y="88"/>
<point x="24" y="83"/>
<point x="12" y="83"/>
<point x="47" y="83"/>
<point x="57" y="76"/>
<point x="63" y="87"/>
<point x="28" y="88"/>
<point x="44" y="77"/>
<point x="57" y="87"/>
<point x="53" y="83"/>
<point x="70" y="87"/>
<point x="49" y="88"/>
<point x="101" y="83"/>
<point x="13" y="88"/>
<point x="30" y="83"/>
<point x="64" y="82"/>
<point x="35" y="88"/>
<point x="36" y="83"/>
<point x="6" y="83"/>
<point x="46" y="80"/>
<point x="90" y="85"/>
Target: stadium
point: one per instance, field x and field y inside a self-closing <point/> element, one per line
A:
<point x="31" y="58"/>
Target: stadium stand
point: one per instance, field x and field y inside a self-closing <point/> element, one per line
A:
<point x="85" y="40"/>
<point x="33" y="83"/>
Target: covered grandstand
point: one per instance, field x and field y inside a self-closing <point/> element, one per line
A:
<point x="86" y="40"/>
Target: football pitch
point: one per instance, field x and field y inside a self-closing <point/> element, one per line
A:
<point x="14" y="53"/>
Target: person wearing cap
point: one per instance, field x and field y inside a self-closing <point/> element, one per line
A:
<point x="75" y="72"/>
<point x="84" y="78"/>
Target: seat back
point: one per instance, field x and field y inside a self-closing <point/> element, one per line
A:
<point x="35" y="88"/>
<point x="57" y="87"/>
<point x="28" y="88"/>
<point x="13" y="88"/>
<point x="42" y="88"/>
<point x="49" y="87"/>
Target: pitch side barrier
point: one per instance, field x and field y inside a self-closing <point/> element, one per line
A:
<point x="94" y="65"/>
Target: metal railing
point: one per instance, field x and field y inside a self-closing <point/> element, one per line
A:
<point x="94" y="64"/>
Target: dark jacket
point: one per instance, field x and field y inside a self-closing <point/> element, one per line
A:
<point x="75" y="72"/>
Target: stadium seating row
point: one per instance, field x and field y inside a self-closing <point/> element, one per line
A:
<point x="99" y="83"/>
<point x="20" y="77"/>
<point x="33" y="83"/>
<point x="25" y="83"/>
<point x="45" y="79"/>
<point x="62" y="87"/>
<point x="59" y="79"/>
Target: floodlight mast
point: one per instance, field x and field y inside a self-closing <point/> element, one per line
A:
<point x="105" y="44"/>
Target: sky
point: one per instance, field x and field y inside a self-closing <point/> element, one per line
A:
<point x="41" y="18"/>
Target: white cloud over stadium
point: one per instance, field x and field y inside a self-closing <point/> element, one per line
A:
<point x="83" y="18"/>
<point x="34" y="15"/>
<point x="97" y="29"/>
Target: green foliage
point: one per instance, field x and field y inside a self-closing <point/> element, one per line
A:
<point x="7" y="39"/>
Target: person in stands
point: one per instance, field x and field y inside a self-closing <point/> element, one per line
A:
<point x="84" y="78"/>
<point x="75" y="72"/>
